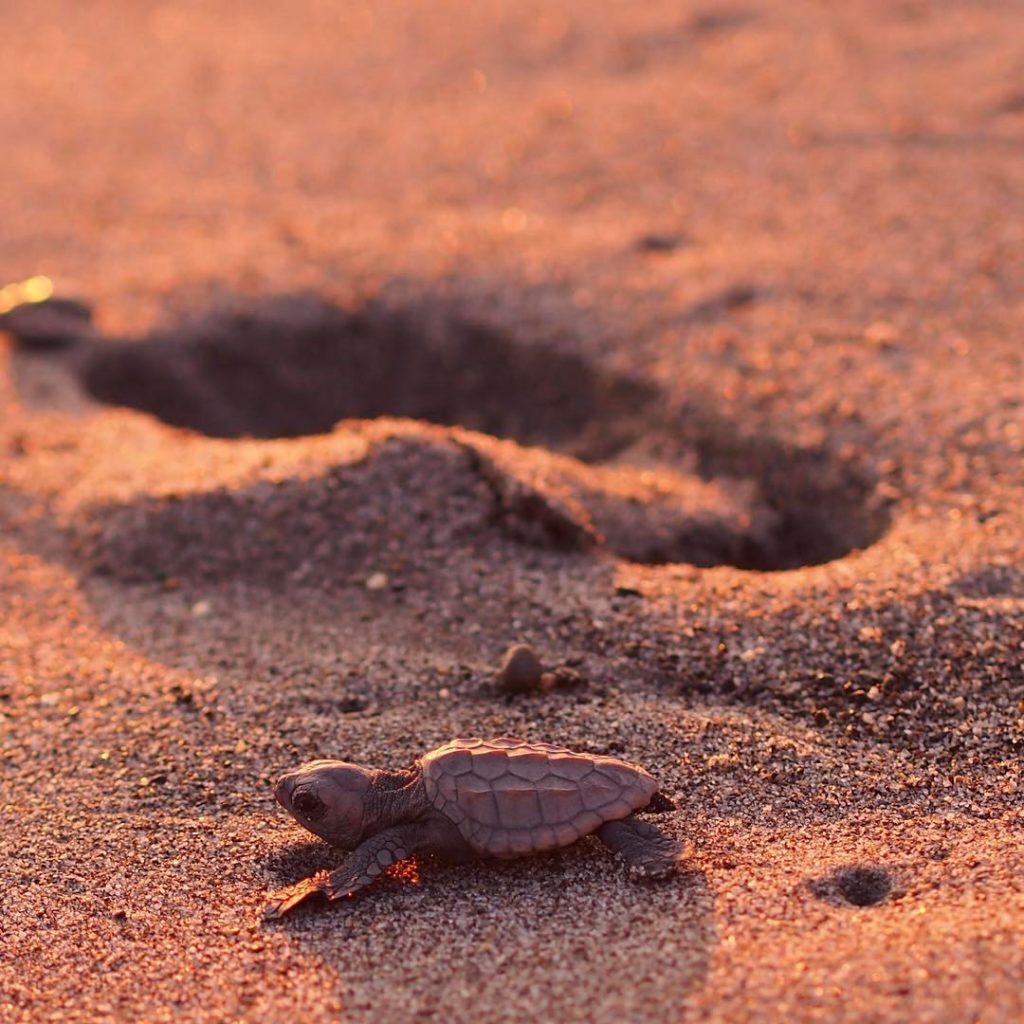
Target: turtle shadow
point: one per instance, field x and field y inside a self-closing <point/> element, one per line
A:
<point x="299" y="859"/>
<point x="990" y="582"/>
<point x="558" y="932"/>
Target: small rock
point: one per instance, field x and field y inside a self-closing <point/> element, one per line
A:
<point x="568" y="678"/>
<point x="201" y="608"/>
<point x="520" y="670"/>
<point x="659" y="242"/>
<point x="378" y="581"/>
<point x="881" y="334"/>
<point x="47" y="323"/>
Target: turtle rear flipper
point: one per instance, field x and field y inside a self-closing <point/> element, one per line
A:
<point x="643" y="846"/>
<point x="660" y="804"/>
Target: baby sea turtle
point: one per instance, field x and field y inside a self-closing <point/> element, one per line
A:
<point x="491" y="798"/>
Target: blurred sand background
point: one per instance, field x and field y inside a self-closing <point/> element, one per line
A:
<point x="681" y="341"/>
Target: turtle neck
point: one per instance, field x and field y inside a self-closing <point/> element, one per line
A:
<point x="393" y="797"/>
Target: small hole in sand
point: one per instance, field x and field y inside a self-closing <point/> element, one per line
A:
<point x="856" y="885"/>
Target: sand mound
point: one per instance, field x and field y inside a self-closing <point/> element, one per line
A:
<point x="409" y="491"/>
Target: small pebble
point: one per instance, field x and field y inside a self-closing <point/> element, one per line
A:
<point x="43" y="323"/>
<point x="520" y="670"/>
<point x="201" y="608"/>
<point x="567" y="678"/>
<point x="378" y="581"/>
<point x="351" y="705"/>
<point x="657" y="242"/>
<point x="881" y="333"/>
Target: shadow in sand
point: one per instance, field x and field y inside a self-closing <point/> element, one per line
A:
<point x="295" y="365"/>
<point x="993" y="581"/>
<point x="925" y="141"/>
<point x="301" y="859"/>
<point x="569" y="926"/>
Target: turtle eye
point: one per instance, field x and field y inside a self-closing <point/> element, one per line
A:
<point x="308" y="804"/>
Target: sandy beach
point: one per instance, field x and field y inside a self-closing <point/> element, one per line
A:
<point x="681" y="342"/>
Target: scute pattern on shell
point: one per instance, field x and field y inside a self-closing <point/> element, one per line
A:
<point x="509" y="797"/>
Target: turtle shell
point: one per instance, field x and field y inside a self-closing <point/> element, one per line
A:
<point x="508" y="797"/>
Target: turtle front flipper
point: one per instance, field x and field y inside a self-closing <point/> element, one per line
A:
<point x="361" y="867"/>
<point x="643" y="846"/>
<point x="286" y="899"/>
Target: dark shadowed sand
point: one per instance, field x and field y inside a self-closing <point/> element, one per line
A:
<point x="682" y="342"/>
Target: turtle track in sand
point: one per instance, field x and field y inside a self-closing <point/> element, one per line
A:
<point x="610" y="460"/>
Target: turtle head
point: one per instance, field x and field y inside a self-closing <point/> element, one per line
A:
<point x="328" y="798"/>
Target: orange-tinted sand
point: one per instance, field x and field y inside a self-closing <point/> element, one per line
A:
<point x="682" y="342"/>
